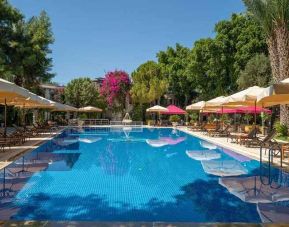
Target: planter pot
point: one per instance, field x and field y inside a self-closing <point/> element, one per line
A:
<point x="175" y="124"/>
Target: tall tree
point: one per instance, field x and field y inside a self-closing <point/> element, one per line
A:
<point x="31" y="52"/>
<point x="273" y="16"/>
<point x="81" y="92"/>
<point x="217" y="62"/>
<point x="174" y="63"/>
<point x="9" y="18"/>
<point x="239" y="38"/>
<point x="24" y="47"/>
<point x="211" y="76"/>
<point x="148" y="83"/>
<point x="257" y="72"/>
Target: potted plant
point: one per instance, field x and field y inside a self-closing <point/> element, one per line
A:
<point x="194" y="118"/>
<point x="174" y="119"/>
<point x="248" y="118"/>
<point x="264" y="117"/>
<point x="281" y="129"/>
<point x="212" y="119"/>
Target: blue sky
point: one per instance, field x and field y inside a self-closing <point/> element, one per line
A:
<point x="96" y="36"/>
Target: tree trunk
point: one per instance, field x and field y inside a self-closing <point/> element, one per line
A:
<point x="282" y="37"/>
<point x="274" y="58"/>
<point x="186" y="100"/>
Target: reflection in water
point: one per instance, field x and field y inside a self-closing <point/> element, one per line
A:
<point x="274" y="212"/>
<point x="224" y="168"/>
<point x="203" y="155"/>
<point x="156" y="143"/>
<point x="164" y="141"/>
<point x="208" y="145"/>
<point x="269" y="190"/>
<point x="89" y="140"/>
<point x="113" y="162"/>
<point x="253" y="190"/>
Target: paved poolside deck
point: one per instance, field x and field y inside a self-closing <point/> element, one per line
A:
<point x="251" y="152"/>
<point x="9" y="155"/>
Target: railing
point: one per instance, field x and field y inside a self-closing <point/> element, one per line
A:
<point x="123" y="123"/>
<point x="87" y="122"/>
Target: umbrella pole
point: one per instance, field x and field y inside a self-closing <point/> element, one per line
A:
<point x="5" y="118"/>
<point x="255" y="114"/>
<point x="222" y="122"/>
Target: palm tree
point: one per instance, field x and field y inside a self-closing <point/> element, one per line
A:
<point x="273" y="16"/>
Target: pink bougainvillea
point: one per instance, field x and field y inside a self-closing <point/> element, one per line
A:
<point x="115" y="87"/>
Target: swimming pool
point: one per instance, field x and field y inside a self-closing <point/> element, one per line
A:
<point x="140" y="174"/>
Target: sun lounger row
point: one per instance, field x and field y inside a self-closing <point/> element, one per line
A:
<point x="18" y="135"/>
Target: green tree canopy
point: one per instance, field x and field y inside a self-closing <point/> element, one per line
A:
<point x="174" y="63"/>
<point x="81" y="92"/>
<point x="148" y="83"/>
<point x="257" y="72"/>
<point x="24" y="47"/>
<point x="9" y="17"/>
<point x="217" y="62"/>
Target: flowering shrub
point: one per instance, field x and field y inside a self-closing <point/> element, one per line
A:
<point x="115" y="87"/>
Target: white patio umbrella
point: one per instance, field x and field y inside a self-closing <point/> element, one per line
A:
<point x="196" y="106"/>
<point x="13" y="95"/>
<point x="157" y="109"/>
<point x="89" y="109"/>
<point x="247" y="97"/>
<point x="59" y="107"/>
<point x="276" y="94"/>
<point x="216" y="102"/>
<point x="43" y="103"/>
<point x="253" y="190"/>
<point x="224" y="168"/>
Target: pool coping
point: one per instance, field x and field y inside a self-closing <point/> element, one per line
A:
<point x="134" y="224"/>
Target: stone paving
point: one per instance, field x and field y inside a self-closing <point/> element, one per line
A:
<point x="9" y="155"/>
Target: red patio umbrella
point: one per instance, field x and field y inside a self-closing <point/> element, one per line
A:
<point x="253" y="109"/>
<point x="229" y="111"/>
<point x="172" y="109"/>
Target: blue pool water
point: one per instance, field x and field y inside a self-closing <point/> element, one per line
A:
<point x="103" y="174"/>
